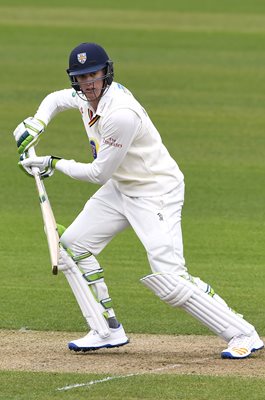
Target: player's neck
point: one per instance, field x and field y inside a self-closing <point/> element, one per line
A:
<point x="94" y="105"/>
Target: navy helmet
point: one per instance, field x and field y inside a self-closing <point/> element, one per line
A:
<point x="87" y="58"/>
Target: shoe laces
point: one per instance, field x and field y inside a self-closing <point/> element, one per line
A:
<point x="92" y="333"/>
<point x="240" y="341"/>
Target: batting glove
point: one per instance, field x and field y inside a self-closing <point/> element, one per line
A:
<point x="27" y="133"/>
<point x="45" y="165"/>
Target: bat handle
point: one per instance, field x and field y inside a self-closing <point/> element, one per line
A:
<point x="32" y="153"/>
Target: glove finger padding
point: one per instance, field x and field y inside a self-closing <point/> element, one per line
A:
<point x="25" y="169"/>
<point x="24" y="159"/>
<point x="27" y="133"/>
<point x="44" y="164"/>
<point x="47" y="173"/>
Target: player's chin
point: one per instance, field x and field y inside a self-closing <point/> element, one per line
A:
<point x="90" y="95"/>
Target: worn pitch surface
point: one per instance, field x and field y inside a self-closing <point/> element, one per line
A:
<point x="47" y="351"/>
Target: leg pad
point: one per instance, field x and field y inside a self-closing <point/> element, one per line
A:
<point x="91" y="309"/>
<point x="178" y="291"/>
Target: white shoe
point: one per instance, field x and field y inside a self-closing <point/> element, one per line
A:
<point x="242" y="346"/>
<point x="92" y="341"/>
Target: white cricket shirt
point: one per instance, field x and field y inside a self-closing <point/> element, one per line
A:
<point x="126" y="145"/>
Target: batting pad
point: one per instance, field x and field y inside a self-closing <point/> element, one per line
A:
<point x="90" y="308"/>
<point x="180" y="292"/>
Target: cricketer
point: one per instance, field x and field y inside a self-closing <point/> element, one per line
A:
<point x="142" y="187"/>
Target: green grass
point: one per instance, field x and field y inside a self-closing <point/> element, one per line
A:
<point x="44" y="386"/>
<point x="198" y="68"/>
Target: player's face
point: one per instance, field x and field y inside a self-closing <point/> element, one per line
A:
<point x="91" y="84"/>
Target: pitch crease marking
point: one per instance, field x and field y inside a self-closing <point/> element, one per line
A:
<point x="110" y="378"/>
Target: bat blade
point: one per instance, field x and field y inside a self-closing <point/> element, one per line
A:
<point x="50" y="226"/>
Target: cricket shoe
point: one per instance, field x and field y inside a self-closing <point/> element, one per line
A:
<point x="92" y="341"/>
<point x="242" y="346"/>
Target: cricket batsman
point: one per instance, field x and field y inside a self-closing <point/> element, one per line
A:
<point x="142" y="187"/>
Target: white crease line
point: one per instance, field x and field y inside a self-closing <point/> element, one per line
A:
<point x="110" y="378"/>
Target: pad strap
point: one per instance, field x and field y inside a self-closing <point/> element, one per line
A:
<point x="94" y="276"/>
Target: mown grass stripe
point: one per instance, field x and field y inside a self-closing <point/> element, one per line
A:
<point x="134" y="20"/>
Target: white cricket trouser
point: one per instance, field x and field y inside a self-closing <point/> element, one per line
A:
<point x="155" y="220"/>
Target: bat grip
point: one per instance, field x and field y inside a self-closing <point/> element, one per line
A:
<point x="32" y="153"/>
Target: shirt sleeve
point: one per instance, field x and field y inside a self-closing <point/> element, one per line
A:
<point x="118" y="132"/>
<point x="56" y="102"/>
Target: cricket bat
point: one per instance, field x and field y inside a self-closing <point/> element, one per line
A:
<point x="50" y="226"/>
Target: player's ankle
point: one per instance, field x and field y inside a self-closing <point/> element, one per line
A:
<point x="113" y="323"/>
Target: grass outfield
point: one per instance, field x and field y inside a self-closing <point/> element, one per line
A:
<point x="198" y="68"/>
<point x="53" y="386"/>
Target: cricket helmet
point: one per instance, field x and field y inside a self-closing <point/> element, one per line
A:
<point x="87" y="58"/>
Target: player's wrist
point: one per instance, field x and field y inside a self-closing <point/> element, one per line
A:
<point x="54" y="161"/>
<point x="42" y="122"/>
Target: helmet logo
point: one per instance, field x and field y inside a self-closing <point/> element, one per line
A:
<point x="81" y="57"/>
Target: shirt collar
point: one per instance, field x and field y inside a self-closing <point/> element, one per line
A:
<point x="104" y="101"/>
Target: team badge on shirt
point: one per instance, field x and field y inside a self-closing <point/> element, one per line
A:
<point x="94" y="147"/>
<point x="81" y="57"/>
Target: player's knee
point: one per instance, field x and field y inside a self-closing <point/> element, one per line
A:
<point x="170" y="288"/>
<point x="66" y="240"/>
<point x="82" y="256"/>
<point x="166" y="259"/>
<point x="69" y="242"/>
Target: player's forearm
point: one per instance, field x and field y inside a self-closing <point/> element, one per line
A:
<point x="113" y="150"/>
<point x="54" y="103"/>
<point x="89" y="172"/>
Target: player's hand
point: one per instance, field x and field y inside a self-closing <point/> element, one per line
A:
<point x="27" y="133"/>
<point x="45" y="165"/>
